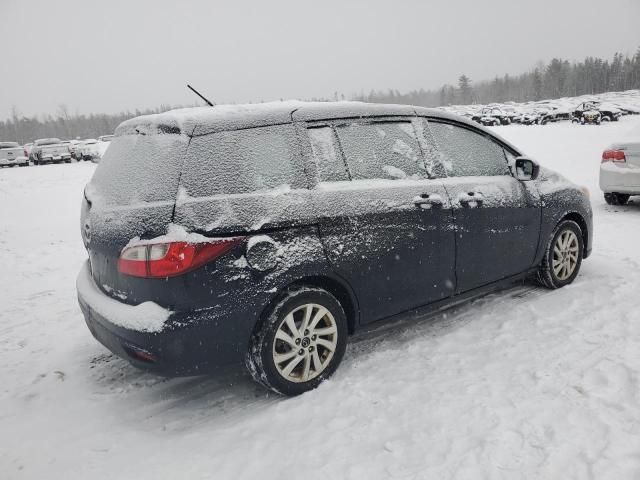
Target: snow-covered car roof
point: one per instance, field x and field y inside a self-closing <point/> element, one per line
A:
<point x="204" y="120"/>
<point x="47" y="141"/>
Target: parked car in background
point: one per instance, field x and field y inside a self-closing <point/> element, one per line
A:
<point x="12" y="154"/>
<point x="71" y="145"/>
<point x="609" y="112"/>
<point x="27" y="149"/>
<point x="587" y="113"/>
<point x="492" y="116"/>
<point x="533" y="116"/>
<point x="50" y="150"/>
<point x="75" y="151"/>
<point x="105" y="138"/>
<point x="267" y="233"/>
<point x="512" y="113"/>
<point x="620" y="171"/>
<point x="595" y="113"/>
<point x="88" y="149"/>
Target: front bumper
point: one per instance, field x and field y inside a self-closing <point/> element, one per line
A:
<point x="181" y="344"/>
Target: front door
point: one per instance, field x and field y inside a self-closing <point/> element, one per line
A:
<point x="497" y="218"/>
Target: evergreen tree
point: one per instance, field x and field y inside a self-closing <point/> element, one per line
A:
<point x="464" y="89"/>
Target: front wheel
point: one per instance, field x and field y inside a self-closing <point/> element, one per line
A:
<point x="300" y="342"/>
<point x="563" y="256"/>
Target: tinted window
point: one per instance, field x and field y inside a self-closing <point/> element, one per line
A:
<point x="241" y="161"/>
<point x="381" y="150"/>
<point x="328" y="159"/>
<point x="464" y="152"/>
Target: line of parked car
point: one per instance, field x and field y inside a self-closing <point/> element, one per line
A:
<point x="591" y="110"/>
<point x="53" y="150"/>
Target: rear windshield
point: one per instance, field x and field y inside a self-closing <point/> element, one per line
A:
<point x="242" y="161"/>
<point x="137" y="169"/>
<point x="8" y="145"/>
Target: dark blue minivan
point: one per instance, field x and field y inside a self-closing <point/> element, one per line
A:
<point x="267" y="234"/>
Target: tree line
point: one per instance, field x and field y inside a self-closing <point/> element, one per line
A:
<point x="558" y="78"/>
<point x="63" y="125"/>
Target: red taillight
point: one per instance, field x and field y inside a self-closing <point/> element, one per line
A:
<point x="613" y="156"/>
<point x="26" y="154"/>
<point x="162" y="260"/>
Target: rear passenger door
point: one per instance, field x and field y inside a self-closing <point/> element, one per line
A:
<point x="497" y="218"/>
<point x="384" y="223"/>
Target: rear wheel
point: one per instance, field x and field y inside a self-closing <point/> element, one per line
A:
<point x="616" y="198"/>
<point x="563" y="256"/>
<point x="300" y="343"/>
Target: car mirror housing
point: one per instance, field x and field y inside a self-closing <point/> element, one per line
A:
<point x="526" y="169"/>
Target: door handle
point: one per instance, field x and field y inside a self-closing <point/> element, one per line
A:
<point x="424" y="200"/>
<point x="471" y="199"/>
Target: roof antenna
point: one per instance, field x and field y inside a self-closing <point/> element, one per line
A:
<point x="201" y="96"/>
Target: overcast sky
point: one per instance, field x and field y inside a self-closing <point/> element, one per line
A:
<point x="117" y="55"/>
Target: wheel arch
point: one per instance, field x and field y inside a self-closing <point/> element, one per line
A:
<point x="338" y="289"/>
<point x="334" y="286"/>
<point x="584" y="228"/>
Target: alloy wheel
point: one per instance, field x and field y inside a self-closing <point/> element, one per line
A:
<point x="565" y="255"/>
<point x="305" y="343"/>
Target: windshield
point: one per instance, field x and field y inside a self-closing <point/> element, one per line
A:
<point x="9" y="145"/>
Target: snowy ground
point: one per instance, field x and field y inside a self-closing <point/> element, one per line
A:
<point x="528" y="383"/>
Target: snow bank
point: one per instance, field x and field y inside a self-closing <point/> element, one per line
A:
<point x="146" y="317"/>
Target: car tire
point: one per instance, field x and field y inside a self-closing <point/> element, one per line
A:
<point x="290" y="359"/>
<point x="562" y="257"/>
<point x="606" y="118"/>
<point x="616" y="198"/>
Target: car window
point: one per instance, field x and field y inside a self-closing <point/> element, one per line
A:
<point x="464" y="152"/>
<point x="329" y="161"/>
<point x="242" y="161"/>
<point x="381" y="150"/>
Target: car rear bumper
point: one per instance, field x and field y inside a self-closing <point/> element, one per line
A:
<point x="181" y="344"/>
<point x="13" y="161"/>
<point x="619" y="179"/>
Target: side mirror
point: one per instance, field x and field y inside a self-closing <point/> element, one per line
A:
<point x="526" y="169"/>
